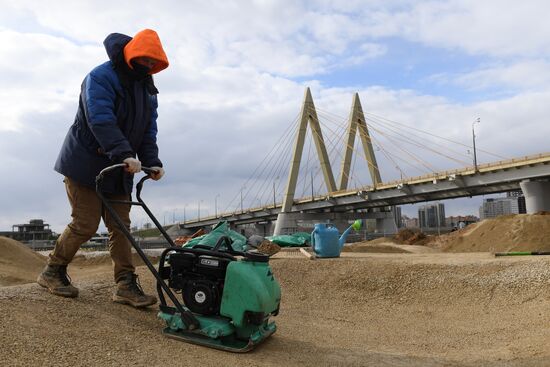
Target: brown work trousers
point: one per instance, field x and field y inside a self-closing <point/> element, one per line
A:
<point x="87" y="211"/>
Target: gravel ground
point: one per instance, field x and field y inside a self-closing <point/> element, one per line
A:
<point x="362" y="309"/>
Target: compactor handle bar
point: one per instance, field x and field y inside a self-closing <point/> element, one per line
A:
<point x="106" y="170"/>
<point x="187" y="316"/>
<point x="139" y="186"/>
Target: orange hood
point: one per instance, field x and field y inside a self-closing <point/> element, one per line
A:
<point x="146" y="43"/>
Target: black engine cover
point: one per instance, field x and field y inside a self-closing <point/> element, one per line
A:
<point x="202" y="296"/>
<point x="200" y="278"/>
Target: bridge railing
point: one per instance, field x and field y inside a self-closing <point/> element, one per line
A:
<point x="508" y="163"/>
<point x="470" y="170"/>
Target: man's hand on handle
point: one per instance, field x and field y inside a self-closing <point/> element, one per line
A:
<point x="132" y="165"/>
<point x="157" y="174"/>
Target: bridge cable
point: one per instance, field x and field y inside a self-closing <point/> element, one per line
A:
<point x="391" y="128"/>
<point x="439" y="137"/>
<point x="412" y="155"/>
<point x="273" y="170"/>
<point x="389" y="155"/>
<point x="355" y="150"/>
<point x="420" y="145"/>
<point x="386" y="153"/>
<point x="283" y="137"/>
<point x="412" y="142"/>
<point x="334" y="151"/>
<point x="338" y="149"/>
<point x="344" y="144"/>
<point x="276" y="171"/>
<point x="388" y="121"/>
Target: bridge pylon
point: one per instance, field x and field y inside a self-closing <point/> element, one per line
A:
<point x="308" y="116"/>
<point x="286" y="219"/>
<point x="357" y="122"/>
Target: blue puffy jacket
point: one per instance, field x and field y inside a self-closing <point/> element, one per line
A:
<point x="116" y="119"/>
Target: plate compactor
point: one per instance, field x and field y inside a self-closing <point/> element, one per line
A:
<point x="228" y="296"/>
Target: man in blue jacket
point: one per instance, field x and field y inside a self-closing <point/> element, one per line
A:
<point x="115" y="123"/>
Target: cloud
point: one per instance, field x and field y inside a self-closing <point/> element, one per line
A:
<point x="491" y="27"/>
<point x="287" y="39"/>
<point x="523" y="75"/>
<point x="236" y="81"/>
<point x="42" y="74"/>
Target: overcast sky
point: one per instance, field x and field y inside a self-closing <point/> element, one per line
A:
<point x="237" y="74"/>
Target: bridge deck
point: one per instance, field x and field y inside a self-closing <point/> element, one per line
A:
<point x="489" y="178"/>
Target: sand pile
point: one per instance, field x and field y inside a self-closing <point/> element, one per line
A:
<point x="374" y="247"/>
<point x="405" y="241"/>
<point x="394" y="310"/>
<point x="269" y="248"/>
<point x="18" y="263"/>
<point x="387" y="246"/>
<point x="409" y="236"/>
<point x="381" y="240"/>
<point x="520" y="232"/>
<point x="93" y="258"/>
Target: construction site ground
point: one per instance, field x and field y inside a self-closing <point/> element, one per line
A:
<point x="389" y="305"/>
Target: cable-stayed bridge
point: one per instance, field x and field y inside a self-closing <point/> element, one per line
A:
<point x="312" y="192"/>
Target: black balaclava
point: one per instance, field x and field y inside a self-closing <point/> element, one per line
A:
<point x="140" y="71"/>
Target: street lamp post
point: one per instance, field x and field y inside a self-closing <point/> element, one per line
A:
<point x="274" y="202"/>
<point x="242" y="211"/>
<point x="216" y="206"/>
<point x="478" y="120"/>
<point x="400" y="172"/>
<point x="199" y="211"/>
<point x="274" y="192"/>
<point x="312" y="194"/>
<point x="438" y="219"/>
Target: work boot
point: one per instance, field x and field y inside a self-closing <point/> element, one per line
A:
<point x="129" y="292"/>
<point x="55" y="278"/>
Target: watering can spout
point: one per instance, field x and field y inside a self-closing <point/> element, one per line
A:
<point x="355" y="226"/>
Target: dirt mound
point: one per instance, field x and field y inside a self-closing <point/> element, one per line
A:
<point x="18" y="263"/>
<point x="387" y="247"/>
<point x="399" y="310"/>
<point x="409" y="236"/>
<point x="369" y="246"/>
<point x="93" y="258"/>
<point x="381" y="240"/>
<point x="406" y="236"/>
<point x="269" y="248"/>
<point x="519" y="232"/>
